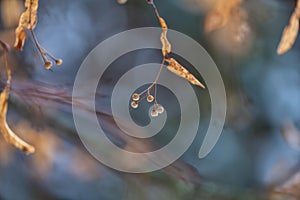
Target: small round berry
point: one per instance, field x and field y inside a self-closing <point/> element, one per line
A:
<point x="59" y="62"/>
<point x="135" y="97"/>
<point x="160" y="109"/>
<point x="134" y="105"/>
<point x="150" y="98"/>
<point x="48" y="65"/>
<point x="154" y="113"/>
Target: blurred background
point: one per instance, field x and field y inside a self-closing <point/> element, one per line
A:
<point x="257" y="156"/>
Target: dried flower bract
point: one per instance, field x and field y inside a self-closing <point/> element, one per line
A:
<point x="290" y="32"/>
<point x="179" y="70"/>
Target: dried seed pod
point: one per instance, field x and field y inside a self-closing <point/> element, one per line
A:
<point x="48" y="65"/>
<point x="59" y="62"/>
<point x="180" y="71"/>
<point x="134" y="105"/>
<point x="160" y="109"/>
<point x="135" y="97"/>
<point x="150" y="98"/>
<point x="154" y="113"/>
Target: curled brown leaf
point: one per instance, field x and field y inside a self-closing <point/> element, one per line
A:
<point x="8" y="134"/>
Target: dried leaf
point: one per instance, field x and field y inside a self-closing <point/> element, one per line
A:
<point x="8" y="134"/>
<point x="27" y="21"/>
<point x="180" y="71"/>
<point x="20" y="39"/>
<point x="166" y="45"/>
<point x="163" y="23"/>
<point x="290" y="32"/>
<point x="221" y="13"/>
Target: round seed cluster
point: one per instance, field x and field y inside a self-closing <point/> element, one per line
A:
<point x="137" y="98"/>
<point x="156" y="110"/>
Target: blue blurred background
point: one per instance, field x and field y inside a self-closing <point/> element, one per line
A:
<point x="257" y="154"/>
